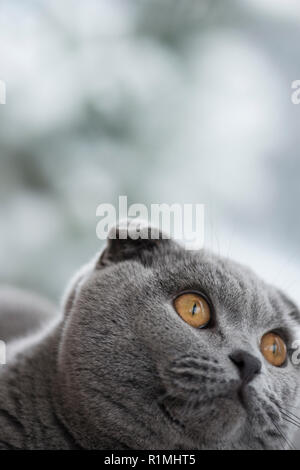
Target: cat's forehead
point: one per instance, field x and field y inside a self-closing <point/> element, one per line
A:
<point x="236" y="290"/>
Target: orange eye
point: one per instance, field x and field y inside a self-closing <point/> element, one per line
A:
<point x="193" y="309"/>
<point x="274" y="349"/>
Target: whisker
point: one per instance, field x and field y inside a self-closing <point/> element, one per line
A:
<point x="283" y="436"/>
<point x="288" y="420"/>
<point x="279" y="433"/>
<point x="288" y="407"/>
<point x="289" y="414"/>
<point x="279" y="404"/>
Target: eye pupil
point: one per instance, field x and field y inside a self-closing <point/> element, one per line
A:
<point x="274" y="349"/>
<point x="193" y="309"/>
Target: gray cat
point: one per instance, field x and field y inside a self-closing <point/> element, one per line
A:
<point x="158" y="348"/>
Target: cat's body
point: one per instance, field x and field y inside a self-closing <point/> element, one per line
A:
<point x="122" y="370"/>
<point x="22" y="313"/>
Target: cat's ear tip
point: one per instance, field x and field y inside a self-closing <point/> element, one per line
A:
<point x="129" y="238"/>
<point x="134" y="229"/>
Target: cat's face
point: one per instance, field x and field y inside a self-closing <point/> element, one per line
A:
<point x="135" y="373"/>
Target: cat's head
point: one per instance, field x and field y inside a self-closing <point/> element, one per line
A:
<point x="164" y="348"/>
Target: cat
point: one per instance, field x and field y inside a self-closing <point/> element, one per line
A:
<point x="129" y="365"/>
<point x="22" y="312"/>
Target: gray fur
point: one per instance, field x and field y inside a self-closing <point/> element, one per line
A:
<point x="122" y="370"/>
<point x="22" y="312"/>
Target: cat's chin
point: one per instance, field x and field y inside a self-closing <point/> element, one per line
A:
<point x="208" y="423"/>
<point x="224" y="418"/>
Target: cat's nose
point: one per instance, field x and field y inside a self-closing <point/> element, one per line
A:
<point x="248" y="365"/>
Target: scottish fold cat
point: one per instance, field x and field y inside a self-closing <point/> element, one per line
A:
<point x="157" y="348"/>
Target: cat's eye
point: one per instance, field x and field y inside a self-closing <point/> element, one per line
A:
<point x="193" y="309"/>
<point x="274" y="349"/>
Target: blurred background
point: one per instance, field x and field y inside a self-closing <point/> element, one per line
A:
<point x="162" y="101"/>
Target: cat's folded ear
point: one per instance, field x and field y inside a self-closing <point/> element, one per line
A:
<point x="132" y="239"/>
